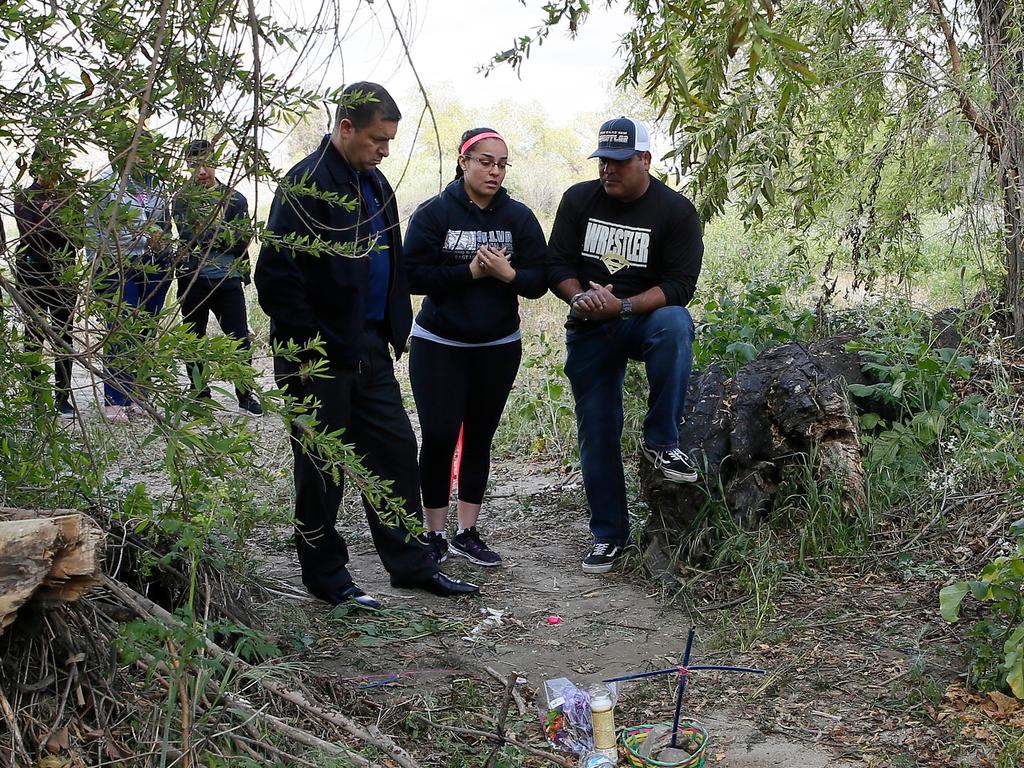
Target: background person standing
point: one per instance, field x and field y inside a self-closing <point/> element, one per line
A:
<point x="131" y="225"/>
<point x="215" y="231"/>
<point x="50" y="232"/>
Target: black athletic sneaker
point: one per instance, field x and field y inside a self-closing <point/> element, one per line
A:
<point x="438" y="546"/>
<point x="66" y="411"/>
<point x="251" y="404"/>
<point x="469" y="545"/>
<point x="602" y="557"/>
<point x="673" y="464"/>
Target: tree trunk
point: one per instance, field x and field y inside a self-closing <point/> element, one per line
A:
<point x="789" y="405"/>
<point x="1002" y="24"/>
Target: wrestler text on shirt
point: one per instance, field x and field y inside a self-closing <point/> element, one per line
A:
<point x="616" y="245"/>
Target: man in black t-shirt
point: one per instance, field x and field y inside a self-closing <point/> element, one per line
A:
<point x="625" y="253"/>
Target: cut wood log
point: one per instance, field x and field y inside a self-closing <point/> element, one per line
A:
<point x="27" y="548"/>
<point x="48" y="556"/>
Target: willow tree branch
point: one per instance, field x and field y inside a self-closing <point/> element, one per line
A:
<point x="967" y="108"/>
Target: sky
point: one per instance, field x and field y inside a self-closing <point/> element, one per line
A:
<point x="450" y="40"/>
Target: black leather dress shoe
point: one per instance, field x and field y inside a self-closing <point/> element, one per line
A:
<point x="439" y="584"/>
<point x="351" y="593"/>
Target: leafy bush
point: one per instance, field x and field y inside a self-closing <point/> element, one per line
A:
<point x="1000" y="586"/>
<point x="733" y="331"/>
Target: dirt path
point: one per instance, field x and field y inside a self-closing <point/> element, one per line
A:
<point x="610" y="625"/>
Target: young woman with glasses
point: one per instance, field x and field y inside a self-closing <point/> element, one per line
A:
<point x="473" y="251"/>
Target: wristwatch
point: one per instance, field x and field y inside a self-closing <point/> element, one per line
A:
<point x="627" y="309"/>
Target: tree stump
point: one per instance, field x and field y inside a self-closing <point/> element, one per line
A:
<point x="788" y="404"/>
<point x="48" y="556"/>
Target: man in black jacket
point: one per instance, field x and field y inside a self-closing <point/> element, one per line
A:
<point x="215" y="232"/>
<point x="331" y="270"/>
<point x="625" y="252"/>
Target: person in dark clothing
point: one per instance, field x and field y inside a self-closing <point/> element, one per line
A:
<point x="49" y="228"/>
<point x="331" y="269"/>
<point x="625" y="253"/>
<point x="215" y="231"/>
<point x="473" y="251"/>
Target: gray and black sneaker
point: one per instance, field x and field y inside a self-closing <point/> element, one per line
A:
<point x="469" y="545"/>
<point x="249" y="403"/>
<point x="438" y="546"/>
<point x="674" y="465"/>
<point x="602" y="557"/>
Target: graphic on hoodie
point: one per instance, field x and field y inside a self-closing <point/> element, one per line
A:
<point x="616" y="245"/>
<point x="464" y="243"/>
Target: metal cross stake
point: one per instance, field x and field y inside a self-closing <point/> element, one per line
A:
<point x="683" y="670"/>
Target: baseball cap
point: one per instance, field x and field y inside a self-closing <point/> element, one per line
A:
<point x="621" y="138"/>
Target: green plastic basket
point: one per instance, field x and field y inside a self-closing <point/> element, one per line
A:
<point x="633" y="738"/>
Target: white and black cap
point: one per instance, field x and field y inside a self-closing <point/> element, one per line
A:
<point x="621" y="138"/>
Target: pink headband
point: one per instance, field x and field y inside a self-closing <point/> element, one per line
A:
<point x="480" y="137"/>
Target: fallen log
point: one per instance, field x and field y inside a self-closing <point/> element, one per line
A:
<point x="743" y="431"/>
<point x="48" y="556"/>
<point x="789" y="405"/>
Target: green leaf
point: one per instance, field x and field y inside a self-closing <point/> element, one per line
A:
<point x="743" y="350"/>
<point x="950" y="598"/>
<point x="788" y="42"/>
<point x="1013" y="649"/>
<point x="801" y="69"/>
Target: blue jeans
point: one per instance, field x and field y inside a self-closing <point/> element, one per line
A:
<point x="137" y="291"/>
<point x="596" y="367"/>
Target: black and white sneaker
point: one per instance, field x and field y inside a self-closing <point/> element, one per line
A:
<point x="674" y="465"/>
<point x="438" y="546"/>
<point x="602" y="557"/>
<point x="469" y="545"/>
<point x="250" y="404"/>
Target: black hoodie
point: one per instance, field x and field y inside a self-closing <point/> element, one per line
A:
<point x="443" y="237"/>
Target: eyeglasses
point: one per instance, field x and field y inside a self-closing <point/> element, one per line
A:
<point x="489" y="162"/>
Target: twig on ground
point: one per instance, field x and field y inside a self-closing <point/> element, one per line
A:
<point x="299" y="735"/>
<point x="499" y="730"/>
<point x="12" y="722"/>
<point x="250" y="713"/>
<point x="520" y="702"/>
<point x="506" y="739"/>
<point x="370" y="734"/>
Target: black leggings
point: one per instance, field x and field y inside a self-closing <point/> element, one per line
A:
<point x="453" y="387"/>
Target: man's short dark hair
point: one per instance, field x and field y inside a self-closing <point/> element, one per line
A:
<point x="362" y="102"/>
<point x="199" y="151"/>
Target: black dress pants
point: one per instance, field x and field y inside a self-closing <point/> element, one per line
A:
<point x="198" y="297"/>
<point x="54" y="304"/>
<point x="366" y="403"/>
